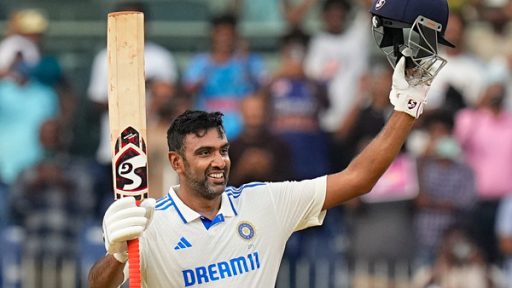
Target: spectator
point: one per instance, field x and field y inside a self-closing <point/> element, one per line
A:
<point x="485" y="135"/>
<point x="491" y="35"/>
<point x="460" y="263"/>
<point x="447" y="187"/>
<point x="22" y="56"/>
<point x="50" y="200"/>
<point x="257" y="154"/>
<point x="295" y="103"/>
<point x="368" y="114"/>
<point x="163" y="108"/>
<point x="283" y="14"/>
<point x="221" y="77"/>
<point x="159" y="66"/>
<point x="338" y="56"/>
<point x="25" y="37"/>
<point x="24" y="32"/>
<point x="504" y="232"/>
<point x="460" y="82"/>
<point x="297" y="12"/>
<point x="25" y="104"/>
<point x="500" y="67"/>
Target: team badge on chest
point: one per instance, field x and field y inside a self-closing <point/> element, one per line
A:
<point x="246" y="230"/>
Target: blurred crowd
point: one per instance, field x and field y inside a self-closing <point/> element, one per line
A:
<point x="443" y="208"/>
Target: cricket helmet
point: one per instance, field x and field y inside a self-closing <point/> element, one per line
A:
<point x="412" y="28"/>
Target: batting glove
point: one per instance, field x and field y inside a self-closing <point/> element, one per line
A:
<point x="404" y="96"/>
<point x="124" y="221"/>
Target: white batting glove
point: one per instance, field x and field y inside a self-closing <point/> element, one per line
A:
<point x="404" y="96"/>
<point x="124" y="221"/>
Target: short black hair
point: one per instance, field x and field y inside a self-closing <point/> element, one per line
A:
<point x="224" y="19"/>
<point x="192" y="121"/>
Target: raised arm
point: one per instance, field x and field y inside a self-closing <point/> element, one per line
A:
<point x="364" y="171"/>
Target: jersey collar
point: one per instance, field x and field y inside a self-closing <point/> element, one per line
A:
<point x="188" y="215"/>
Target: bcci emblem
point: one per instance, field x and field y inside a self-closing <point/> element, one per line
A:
<point x="245" y="230"/>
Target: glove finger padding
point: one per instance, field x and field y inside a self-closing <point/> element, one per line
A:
<point x="405" y="97"/>
<point x="149" y="204"/>
<point x="399" y="81"/>
<point x="124" y="221"/>
<point x="127" y="229"/>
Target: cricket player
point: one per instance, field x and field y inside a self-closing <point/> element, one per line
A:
<point x="205" y="234"/>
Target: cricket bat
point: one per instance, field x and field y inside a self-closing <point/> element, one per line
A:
<point x="127" y="116"/>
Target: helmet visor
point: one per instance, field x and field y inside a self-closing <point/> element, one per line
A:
<point x="417" y="42"/>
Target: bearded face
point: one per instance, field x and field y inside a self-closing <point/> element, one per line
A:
<point x="209" y="183"/>
<point x="205" y="164"/>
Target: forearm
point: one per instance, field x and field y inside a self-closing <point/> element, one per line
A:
<point x="107" y="272"/>
<point x="375" y="159"/>
<point x="364" y="171"/>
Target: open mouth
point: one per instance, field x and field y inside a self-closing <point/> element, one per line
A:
<point x="216" y="177"/>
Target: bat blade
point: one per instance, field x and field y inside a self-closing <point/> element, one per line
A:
<point x="127" y="103"/>
<point x="127" y="115"/>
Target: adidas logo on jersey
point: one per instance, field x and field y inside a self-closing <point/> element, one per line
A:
<point x="182" y="244"/>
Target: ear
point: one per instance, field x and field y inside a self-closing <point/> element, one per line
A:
<point x="176" y="161"/>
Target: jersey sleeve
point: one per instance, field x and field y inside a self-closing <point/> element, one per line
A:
<point x="298" y="204"/>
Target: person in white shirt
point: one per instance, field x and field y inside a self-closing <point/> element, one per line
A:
<point x="463" y="71"/>
<point x="338" y="57"/>
<point x="25" y="30"/>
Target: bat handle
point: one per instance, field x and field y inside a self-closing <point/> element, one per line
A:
<point x="134" y="263"/>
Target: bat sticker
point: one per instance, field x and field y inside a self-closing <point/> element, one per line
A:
<point x="130" y="165"/>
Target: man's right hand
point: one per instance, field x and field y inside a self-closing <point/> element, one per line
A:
<point x="124" y="221"/>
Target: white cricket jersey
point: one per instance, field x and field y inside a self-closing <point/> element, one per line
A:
<point x="241" y="247"/>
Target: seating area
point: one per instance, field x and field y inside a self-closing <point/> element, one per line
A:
<point x="78" y="29"/>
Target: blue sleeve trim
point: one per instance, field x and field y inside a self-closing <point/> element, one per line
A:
<point x="236" y="192"/>
<point x="164" y="204"/>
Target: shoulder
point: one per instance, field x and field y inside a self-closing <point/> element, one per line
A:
<point x="164" y="202"/>
<point x="16" y="42"/>
<point x="236" y="192"/>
